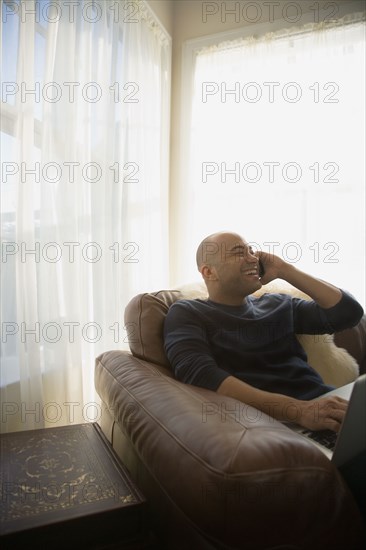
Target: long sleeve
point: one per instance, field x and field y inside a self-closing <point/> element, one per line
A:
<point x="309" y="318"/>
<point x="188" y="350"/>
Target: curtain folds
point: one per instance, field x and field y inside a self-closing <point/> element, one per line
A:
<point x="84" y="210"/>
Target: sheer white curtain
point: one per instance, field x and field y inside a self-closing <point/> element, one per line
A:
<point x="277" y="147"/>
<point x="84" y="195"/>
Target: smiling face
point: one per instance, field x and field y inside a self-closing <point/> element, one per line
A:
<point x="229" y="267"/>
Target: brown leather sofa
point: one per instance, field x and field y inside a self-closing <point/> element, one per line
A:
<point x="218" y="473"/>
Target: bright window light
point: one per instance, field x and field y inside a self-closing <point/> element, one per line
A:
<point x="277" y="143"/>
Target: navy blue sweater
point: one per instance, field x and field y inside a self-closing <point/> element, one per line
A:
<point x="206" y="342"/>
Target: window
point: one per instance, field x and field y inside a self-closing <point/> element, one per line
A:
<point x="276" y="146"/>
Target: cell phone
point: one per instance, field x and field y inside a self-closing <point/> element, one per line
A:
<point x="261" y="268"/>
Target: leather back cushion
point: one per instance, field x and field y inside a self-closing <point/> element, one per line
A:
<point x="144" y="320"/>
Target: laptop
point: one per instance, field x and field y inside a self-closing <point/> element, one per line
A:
<point x="351" y="439"/>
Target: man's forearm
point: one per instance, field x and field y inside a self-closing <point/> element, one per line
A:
<point x="325" y="413"/>
<point x="325" y="294"/>
<point x="273" y="404"/>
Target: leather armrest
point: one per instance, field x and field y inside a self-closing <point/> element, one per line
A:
<point x="235" y="472"/>
<point x="354" y="341"/>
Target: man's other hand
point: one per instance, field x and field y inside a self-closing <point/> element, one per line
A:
<point x="326" y="413"/>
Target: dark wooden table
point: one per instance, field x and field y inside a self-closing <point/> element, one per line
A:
<point x="66" y="487"/>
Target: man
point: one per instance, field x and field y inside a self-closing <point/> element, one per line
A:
<point x="245" y="347"/>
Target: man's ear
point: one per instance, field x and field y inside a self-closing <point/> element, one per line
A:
<point x="209" y="273"/>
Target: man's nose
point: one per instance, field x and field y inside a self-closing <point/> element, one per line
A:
<point x="252" y="258"/>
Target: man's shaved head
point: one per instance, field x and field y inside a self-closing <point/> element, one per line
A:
<point x="210" y="249"/>
<point x="229" y="267"/>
